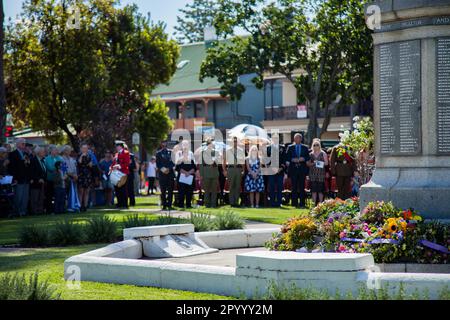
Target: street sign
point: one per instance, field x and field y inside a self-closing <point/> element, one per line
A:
<point x="136" y="139"/>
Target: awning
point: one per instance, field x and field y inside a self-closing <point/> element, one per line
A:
<point x="193" y="97"/>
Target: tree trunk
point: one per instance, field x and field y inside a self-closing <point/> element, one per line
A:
<point x="74" y="140"/>
<point x="2" y="77"/>
<point x="313" y="124"/>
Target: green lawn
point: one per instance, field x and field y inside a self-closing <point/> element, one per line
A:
<point x="10" y="228"/>
<point x="49" y="263"/>
<point x="268" y="215"/>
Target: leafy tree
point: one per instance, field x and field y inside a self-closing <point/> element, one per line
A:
<point x="360" y="143"/>
<point x="67" y="61"/>
<point x="322" y="46"/>
<point x="2" y="80"/>
<point x="195" y="17"/>
<point x="149" y="118"/>
<point x="156" y="112"/>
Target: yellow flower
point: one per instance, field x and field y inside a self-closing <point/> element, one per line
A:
<point x="391" y="226"/>
<point x="403" y="225"/>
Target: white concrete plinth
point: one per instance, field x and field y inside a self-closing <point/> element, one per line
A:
<point x="232" y="239"/>
<point x="175" y="246"/>
<point x="295" y="262"/>
<point x="121" y="263"/>
<point x="153" y="231"/>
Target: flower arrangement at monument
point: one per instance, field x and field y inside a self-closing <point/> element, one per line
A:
<point x="389" y="233"/>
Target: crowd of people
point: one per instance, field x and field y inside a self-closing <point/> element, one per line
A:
<point x="243" y="175"/>
<point x="55" y="180"/>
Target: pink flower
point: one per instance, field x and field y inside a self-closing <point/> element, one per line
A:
<point x="341" y="248"/>
<point x="342" y="234"/>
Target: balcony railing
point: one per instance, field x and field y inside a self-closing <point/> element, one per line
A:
<point x="290" y="112"/>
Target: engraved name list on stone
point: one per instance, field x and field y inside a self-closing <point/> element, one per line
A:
<point x="400" y="102"/>
<point x="443" y="94"/>
<point x="387" y="115"/>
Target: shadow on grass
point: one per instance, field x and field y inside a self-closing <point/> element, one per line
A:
<point x="37" y="259"/>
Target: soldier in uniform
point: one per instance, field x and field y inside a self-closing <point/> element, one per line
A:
<point x="276" y="172"/>
<point x="234" y="161"/>
<point x="166" y="175"/>
<point x="342" y="166"/>
<point x="209" y="173"/>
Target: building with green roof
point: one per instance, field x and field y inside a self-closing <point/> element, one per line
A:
<point x="190" y="100"/>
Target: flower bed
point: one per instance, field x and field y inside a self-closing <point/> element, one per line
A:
<point x="389" y="233"/>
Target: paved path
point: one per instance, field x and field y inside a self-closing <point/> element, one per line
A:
<point x="223" y="258"/>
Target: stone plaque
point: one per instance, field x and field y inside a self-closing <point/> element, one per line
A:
<point x="443" y="94"/>
<point x="400" y="97"/>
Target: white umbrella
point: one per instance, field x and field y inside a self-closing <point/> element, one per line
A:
<point x="249" y="133"/>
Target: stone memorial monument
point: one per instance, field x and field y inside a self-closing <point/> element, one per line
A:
<point x="412" y="106"/>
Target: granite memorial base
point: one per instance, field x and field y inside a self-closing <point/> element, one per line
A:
<point x="412" y="107"/>
<point x="425" y="190"/>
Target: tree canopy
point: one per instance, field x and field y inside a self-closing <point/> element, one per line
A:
<point x="193" y="20"/>
<point x="66" y="61"/>
<point x="2" y="78"/>
<point x="322" y="46"/>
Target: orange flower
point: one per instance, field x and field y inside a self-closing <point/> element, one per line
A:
<point x="407" y="214"/>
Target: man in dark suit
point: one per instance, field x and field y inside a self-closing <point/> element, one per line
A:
<point x="276" y="171"/>
<point x="19" y="168"/>
<point x="297" y="155"/>
<point x="132" y="168"/>
<point x="166" y="175"/>
<point x="37" y="183"/>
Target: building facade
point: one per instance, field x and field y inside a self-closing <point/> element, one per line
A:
<point x="275" y="106"/>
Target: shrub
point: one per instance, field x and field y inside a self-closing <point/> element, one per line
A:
<point x="202" y="222"/>
<point x="67" y="233"/>
<point x="280" y="292"/>
<point x="336" y="208"/>
<point x="300" y="233"/>
<point x="34" y="236"/>
<point x="101" y="229"/>
<point x="435" y="232"/>
<point x="228" y="220"/>
<point x="389" y="233"/>
<point x="378" y="211"/>
<point x="19" y="287"/>
<point x="133" y="221"/>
